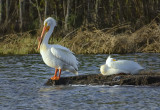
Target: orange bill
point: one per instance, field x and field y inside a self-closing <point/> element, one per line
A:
<point x="40" y="38"/>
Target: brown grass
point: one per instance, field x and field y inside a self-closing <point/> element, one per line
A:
<point x="18" y="44"/>
<point x="146" y="39"/>
<point x="24" y="43"/>
<point x="83" y="41"/>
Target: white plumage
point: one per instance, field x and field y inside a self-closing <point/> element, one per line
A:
<point x="113" y="66"/>
<point x="56" y="56"/>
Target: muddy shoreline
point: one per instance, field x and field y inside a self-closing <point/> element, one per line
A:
<point x="142" y="79"/>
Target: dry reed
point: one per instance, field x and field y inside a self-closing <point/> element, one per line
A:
<point x="80" y="41"/>
<point x="18" y="44"/>
<point x="146" y="39"/>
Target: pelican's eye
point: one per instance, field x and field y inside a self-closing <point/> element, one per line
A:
<point x="114" y="59"/>
<point x="47" y="27"/>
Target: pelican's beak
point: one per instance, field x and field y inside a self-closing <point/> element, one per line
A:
<point x="114" y="59"/>
<point x="45" y="29"/>
<point x="40" y="38"/>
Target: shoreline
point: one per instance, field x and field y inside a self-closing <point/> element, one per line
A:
<point x="143" y="79"/>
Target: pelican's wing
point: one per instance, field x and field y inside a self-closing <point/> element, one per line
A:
<point x="125" y="65"/>
<point x="65" y="55"/>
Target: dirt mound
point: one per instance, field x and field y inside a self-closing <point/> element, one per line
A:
<point x="144" y="78"/>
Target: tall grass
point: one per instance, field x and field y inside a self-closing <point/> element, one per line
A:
<point x="146" y="39"/>
<point x="25" y="43"/>
<point x="18" y="44"/>
<point x="84" y="41"/>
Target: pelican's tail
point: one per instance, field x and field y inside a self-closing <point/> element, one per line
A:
<point x="71" y="69"/>
<point x="108" y="59"/>
<point x="76" y="72"/>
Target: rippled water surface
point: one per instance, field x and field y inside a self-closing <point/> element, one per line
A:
<point x="22" y="81"/>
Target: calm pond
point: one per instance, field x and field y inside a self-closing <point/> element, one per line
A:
<point x="22" y="87"/>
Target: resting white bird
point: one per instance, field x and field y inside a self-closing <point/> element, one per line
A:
<point x="113" y="66"/>
<point x="56" y="56"/>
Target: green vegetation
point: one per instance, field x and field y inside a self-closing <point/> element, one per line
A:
<point x="24" y="15"/>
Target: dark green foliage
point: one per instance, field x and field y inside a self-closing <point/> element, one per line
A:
<point x="82" y="13"/>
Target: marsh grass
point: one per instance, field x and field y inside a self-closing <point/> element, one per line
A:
<point x="18" y="44"/>
<point x="146" y="39"/>
<point x="84" y="41"/>
<point x="24" y="43"/>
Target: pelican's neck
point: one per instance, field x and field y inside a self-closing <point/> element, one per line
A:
<point x="47" y="36"/>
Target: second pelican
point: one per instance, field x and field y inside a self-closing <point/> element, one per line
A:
<point x="113" y="66"/>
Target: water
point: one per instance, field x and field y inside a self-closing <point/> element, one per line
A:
<point x="22" y="87"/>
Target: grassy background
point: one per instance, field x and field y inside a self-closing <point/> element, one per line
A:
<point x="146" y="39"/>
<point x="84" y="41"/>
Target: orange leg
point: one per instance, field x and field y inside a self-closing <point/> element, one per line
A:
<point x="56" y="70"/>
<point x="59" y="73"/>
<point x="55" y="75"/>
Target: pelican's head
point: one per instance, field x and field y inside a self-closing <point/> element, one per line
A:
<point x="50" y="22"/>
<point x="109" y="59"/>
<point x="49" y="25"/>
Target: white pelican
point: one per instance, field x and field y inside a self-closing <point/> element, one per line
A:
<point x="113" y="66"/>
<point x="56" y="56"/>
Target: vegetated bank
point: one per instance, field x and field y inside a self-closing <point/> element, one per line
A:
<point x="118" y="39"/>
<point x="145" y="39"/>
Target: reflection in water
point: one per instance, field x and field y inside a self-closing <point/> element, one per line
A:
<point x="22" y="79"/>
